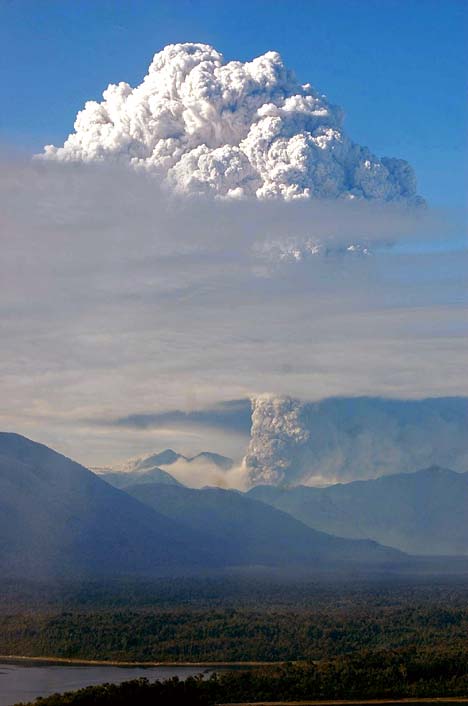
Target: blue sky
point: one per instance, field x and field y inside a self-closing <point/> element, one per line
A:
<point x="398" y="68"/>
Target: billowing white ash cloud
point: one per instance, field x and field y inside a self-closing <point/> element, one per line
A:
<point x="278" y="433"/>
<point x="233" y="130"/>
<point x="343" y="439"/>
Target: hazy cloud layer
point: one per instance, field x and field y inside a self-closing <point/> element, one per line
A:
<point x="233" y="130"/>
<point x="251" y="247"/>
<point x="231" y="415"/>
<point x="119" y="300"/>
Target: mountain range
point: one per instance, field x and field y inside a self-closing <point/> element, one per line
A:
<point x="420" y="512"/>
<point x="57" y="518"/>
<point x="425" y="512"/>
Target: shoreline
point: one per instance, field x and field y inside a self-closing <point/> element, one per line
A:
<point x="124" y="663"/>
<point x="359" y="702"/>
<point x="77" y="662"/>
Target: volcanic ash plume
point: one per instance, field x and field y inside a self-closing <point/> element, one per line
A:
<point x="343" y="439"/>
<point x="276" y="435"/>
<point x="232" y="130"/>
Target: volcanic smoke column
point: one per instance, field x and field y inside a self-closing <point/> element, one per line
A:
<point x="277" y="435"/>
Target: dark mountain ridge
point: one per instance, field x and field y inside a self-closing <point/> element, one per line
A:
<point x="252" y="532"/>
<point x="58" y="518"/>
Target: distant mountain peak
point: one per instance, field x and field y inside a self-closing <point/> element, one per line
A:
<point x="437" y="470"/>
<point x="168" y="457"/>
<point x="167" y="467"/>
<point x="221" y="461"/>
<point x="163" y="458"/>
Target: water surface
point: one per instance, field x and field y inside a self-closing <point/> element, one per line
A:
<point x="24" y="682"/>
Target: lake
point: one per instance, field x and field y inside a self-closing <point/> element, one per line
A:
<point x="24" y="682"/>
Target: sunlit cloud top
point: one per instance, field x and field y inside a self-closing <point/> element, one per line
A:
<point x="232" y="129"/>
